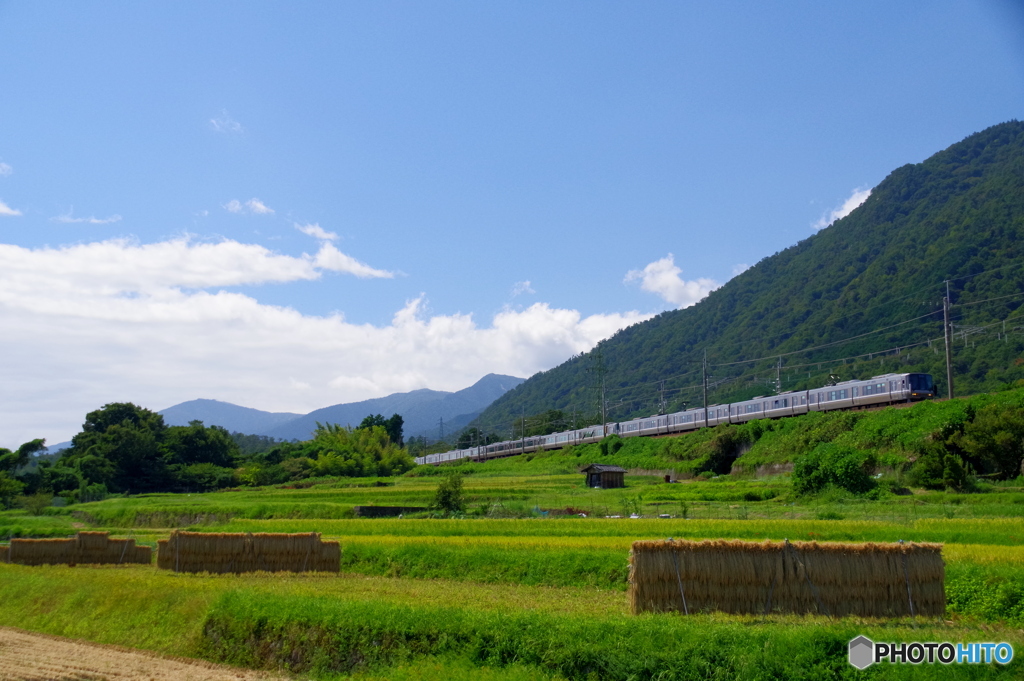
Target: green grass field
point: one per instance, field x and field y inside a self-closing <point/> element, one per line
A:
<point x="513" y="590"/>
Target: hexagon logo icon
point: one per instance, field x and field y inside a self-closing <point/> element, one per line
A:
<point x="862" y="652"/>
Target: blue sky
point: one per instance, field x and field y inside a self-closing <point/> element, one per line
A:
<point x="287" y="205"/>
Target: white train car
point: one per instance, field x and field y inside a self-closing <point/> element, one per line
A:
<point x="857" y="394"/>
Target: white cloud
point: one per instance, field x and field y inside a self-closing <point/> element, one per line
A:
<point x="662" y="277"/>
<point x="224" y="123"/>
<point x="740" y="269"/>
<point x="522" y="287"/>
<point x="120" y="266"/>
<point x="113" y="321"/>
<point x="258" y="207"/>
<point x="859" y="196"/>
<point x="5" y="170"/>
<point x="317" y="232"/>
<point x="252" y="206"/>
<point x="7" y="211"/>
<point x="330" y="258"/>
<point x="67" y="218"/>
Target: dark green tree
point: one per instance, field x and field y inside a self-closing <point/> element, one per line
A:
<point x="11" y="461"/>
<point x="121" y="445"/>
<point x="449" y="496"/>
<point x="393" y="426"/>
<point x="196" y="443"/>
<point x="11" y="486"/>
<point x="996" y="438"/>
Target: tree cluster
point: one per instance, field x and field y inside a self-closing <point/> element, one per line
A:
<point x="333" y="451"/>
<point x="126" y="449"/>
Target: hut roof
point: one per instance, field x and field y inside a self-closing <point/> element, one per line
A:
<point x="601" y="468"/>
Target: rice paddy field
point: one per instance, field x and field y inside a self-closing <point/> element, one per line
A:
<point x="521" y="587"/>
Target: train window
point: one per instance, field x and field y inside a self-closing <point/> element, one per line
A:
<point x="921" y="382"/>
<point x="785" y="402"/>
<point x="854" y="392"/>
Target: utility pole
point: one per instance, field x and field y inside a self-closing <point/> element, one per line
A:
<point x="441" y="422"/>
<point x="600" y="370"/>
<point x="705" y="387"/>
<point x="949" y="341"/>
<point x="522" y="447"/>
<point x="778" y="376"/>
<point x="662" y="408"/>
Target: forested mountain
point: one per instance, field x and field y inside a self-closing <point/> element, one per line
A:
<point x="859" y="298"/>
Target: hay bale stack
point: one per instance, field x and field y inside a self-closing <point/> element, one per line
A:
<point x="41" y="551"/>
<point x="84" y="548"/>
<point x="869" y="580"/>
<point x="3" y="554"/>
<point x="143" y="555"/>
<point x="242" y="552"/>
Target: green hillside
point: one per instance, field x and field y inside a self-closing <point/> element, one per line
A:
<point x="857" y="299"/>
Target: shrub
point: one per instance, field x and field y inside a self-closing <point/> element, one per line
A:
<point x="35" y="504"/>
<point x="830" y="464"/>
<point x="610" y="445"/>
<point x="449" y="496"/>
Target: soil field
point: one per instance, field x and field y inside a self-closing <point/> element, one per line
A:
<point x="26" y="656"/>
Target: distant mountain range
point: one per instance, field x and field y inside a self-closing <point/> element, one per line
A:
<point x="423" y="411"/>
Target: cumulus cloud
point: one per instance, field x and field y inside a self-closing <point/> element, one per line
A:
<point x="522" y="287"/>
<point x="7" y="211"/>
<point x="317" y="232"/>
<point x="663" y="278"/>
<point x="68" y="218"/>
<point x="110" y="321"/>
<point x="5" y="170"/>
<point x="253" y="206"/>
<point x="859" y="196"/>
<point x="224" y="123"/>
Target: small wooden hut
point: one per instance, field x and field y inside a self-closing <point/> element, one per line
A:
<point x="605" y="477"/>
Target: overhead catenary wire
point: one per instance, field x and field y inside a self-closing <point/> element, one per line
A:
<point x="776" y="357"/>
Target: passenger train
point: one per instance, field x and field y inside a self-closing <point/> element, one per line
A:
<point x="878" y="390"/>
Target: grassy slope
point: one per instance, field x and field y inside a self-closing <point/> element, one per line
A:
<point x="894" y="435"/>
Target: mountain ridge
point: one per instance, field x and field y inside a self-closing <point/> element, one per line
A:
<point x="420" y="408"/>
<point x="958" y="215"/>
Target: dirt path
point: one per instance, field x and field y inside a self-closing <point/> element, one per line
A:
<point x="27" y="656"/>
